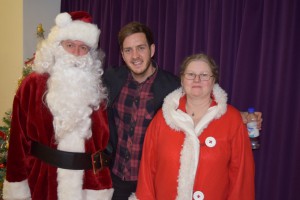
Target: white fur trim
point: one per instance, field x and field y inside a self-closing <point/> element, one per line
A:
<point x="16" y="190"/>
<point x="181" y="121"/>
<point x="67" y="29"/>
<point x="221" y="99"/>
<point x="70" y="187"/>
<point x="70" y="181"/>
<point x="133" y="197"/>
<point x="105" y="194"/>
<point x="189" y="161"/>
<point x="69" y="184"/>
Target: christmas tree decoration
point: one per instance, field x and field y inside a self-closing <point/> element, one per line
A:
<point x="27" y="69"/>
<point x="40" y="31"/>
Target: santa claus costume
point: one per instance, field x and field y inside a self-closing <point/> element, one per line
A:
<point x="210" y="161"/>
<point x="59" y="121"/>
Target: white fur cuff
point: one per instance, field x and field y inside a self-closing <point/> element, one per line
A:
<point x="16" y="190"/>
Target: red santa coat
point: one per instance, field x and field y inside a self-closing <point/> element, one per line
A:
<point x="28" y="176"/>
<point x="212" y="161"/>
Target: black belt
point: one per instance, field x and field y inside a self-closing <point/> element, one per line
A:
<point x="70" y="160"/>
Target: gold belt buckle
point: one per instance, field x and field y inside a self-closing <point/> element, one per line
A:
<point x="96" y="161"/>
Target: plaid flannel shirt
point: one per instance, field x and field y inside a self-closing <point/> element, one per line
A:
<point x="133" y="110"/>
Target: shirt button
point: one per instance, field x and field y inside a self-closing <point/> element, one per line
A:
<point x="198" y="195"/>
<point x="210" y="141"/>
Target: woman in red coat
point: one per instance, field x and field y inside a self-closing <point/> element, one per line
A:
<point x="197" y="146"/>
<point x="59" y="122"/>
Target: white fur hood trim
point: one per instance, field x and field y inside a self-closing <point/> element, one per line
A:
<point x="181" y="121"/>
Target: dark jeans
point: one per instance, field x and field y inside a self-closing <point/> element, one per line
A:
<point x="122" y="189"/>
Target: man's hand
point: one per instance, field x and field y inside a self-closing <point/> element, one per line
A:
<point x="259" y="118"/>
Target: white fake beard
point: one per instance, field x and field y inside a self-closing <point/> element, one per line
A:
<point x="73" y="92"/>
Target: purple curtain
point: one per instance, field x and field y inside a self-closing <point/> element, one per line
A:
<point x="256" y="44"/>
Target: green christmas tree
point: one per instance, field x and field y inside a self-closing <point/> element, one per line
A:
<point x="4" y="138"/>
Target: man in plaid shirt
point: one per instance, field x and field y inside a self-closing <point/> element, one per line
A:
<point x="136" y="92"/>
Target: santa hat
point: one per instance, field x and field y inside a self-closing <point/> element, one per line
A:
<point x="75" y="26"/>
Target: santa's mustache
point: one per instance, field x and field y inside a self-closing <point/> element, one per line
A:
<point x="73" y="61"/>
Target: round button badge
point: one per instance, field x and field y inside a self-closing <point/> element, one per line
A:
<point x="210" y="141"/>
<point x="198" y="195"/>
